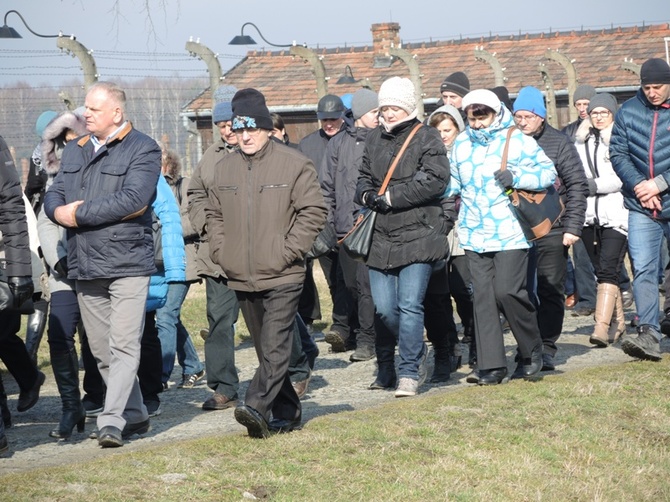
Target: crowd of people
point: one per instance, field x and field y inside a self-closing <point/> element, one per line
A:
<point x="108" y="236"/>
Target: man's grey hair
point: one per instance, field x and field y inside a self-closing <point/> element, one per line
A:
<point x="113" y="90"/>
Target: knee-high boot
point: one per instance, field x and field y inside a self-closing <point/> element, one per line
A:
<point x="618" y="323"/>
<point x="605" y="299"/>
<point x="37" y="322"/>
<point x="66" y="367"/>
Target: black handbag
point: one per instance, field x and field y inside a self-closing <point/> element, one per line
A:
<point x="536" y="211"/>
<point x="7" y="297"/>
<point x="325" y="241"/>
<point x="358" y="241"/>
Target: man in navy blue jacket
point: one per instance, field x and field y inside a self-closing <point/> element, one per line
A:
<point x="640" y="154"/>
<point x="102" y="196"/>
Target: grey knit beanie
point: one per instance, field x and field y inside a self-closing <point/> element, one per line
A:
<point x="583" y="92"/>
<point x="603" y="100"/>
<point x="363" y="101"/>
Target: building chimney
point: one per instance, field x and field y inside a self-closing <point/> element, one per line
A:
<point x="384" y="35"/>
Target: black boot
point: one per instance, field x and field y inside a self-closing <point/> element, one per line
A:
<point x="442" y="352"/>
<point x="66" y="370"/>
<point x="6" y="414"/>
<point x="37" y="322"/>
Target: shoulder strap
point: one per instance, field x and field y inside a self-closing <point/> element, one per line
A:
<point x="178" y="185"/>
<point x="397" y="158"/>
<point x="503" y="162"/>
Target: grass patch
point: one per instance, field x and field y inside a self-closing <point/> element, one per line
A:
<point x="598" y="434"/>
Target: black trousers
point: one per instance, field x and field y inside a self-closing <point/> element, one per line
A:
<point x="551" y="267"/>
<point x="342" y="300"/>
<point x="607" y="256"/>
<point x="499" y="284"/>
<point x="362" y="309"/>
<point x="270" y="317"/>
<point x="13" y="351"/>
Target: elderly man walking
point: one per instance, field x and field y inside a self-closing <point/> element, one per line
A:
<point x="265" y="211"/>
<point x="102" y="195"/>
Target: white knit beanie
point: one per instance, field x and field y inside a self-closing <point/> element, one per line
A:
<point x="398" y="91"/>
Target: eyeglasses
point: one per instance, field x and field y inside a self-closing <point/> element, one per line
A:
<point x="600" y="115"/>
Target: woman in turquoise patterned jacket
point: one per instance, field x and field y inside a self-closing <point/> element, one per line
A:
<point x="494" y="243"/>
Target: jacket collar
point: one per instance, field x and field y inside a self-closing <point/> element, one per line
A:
<point x="118" y="136"/>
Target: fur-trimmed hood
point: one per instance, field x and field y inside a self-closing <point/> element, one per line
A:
<point x="584" y="131"/>
<point x="52" y="138"/>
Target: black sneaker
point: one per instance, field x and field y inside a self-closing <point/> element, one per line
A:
<point x="92" y="408"/>
<point x="153" y="408"/>
<point x="643" y="346"/>
<point x="665" y="323"/>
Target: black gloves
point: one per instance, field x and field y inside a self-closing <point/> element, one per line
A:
<point x="505" y="178"/>
<point x="61" y="267"/>
<point x="22" y="289"/>
<point x="376" y="202"/>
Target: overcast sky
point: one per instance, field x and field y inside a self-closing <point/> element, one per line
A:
<point x="115" y="29"/>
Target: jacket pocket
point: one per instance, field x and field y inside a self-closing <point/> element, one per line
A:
<point x="128" y="248"/>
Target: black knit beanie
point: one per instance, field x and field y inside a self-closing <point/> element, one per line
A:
<point x="250" y="110"/>
<point x="655" y="71"/>
<point x="457" y="83"/>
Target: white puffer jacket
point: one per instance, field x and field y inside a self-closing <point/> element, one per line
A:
<point x="606" y="207"/>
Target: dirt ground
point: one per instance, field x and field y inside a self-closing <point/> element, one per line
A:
<point x="337" y="385"/>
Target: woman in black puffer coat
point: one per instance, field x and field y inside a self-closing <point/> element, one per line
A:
<point x="410" y="231"/>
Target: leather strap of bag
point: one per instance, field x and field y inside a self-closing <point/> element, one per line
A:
<point x="503" y="163"/>
<point x="385" y="184"/>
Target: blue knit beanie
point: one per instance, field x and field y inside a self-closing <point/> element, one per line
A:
<point x="531" y="100"/>
<point x="43" y="121"/>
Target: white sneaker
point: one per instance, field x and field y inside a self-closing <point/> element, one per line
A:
<point x="407" y="387"/>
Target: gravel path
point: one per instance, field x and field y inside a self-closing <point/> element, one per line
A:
<point x="337" y="385"/>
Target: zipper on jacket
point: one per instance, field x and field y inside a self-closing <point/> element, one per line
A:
<point x="249" y="229"/>
<point x="651" y="152"/>
<point x="267" y="187"/>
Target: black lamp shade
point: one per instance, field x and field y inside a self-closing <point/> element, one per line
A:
<point x="9" y="32"/>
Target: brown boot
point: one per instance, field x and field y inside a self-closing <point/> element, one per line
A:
<point x="605" y="300"/>
<point x="618" y="323"/>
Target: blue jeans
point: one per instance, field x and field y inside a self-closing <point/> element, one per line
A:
<point x="645" y="238"/>
<point x="398" y="295"/>
<point x="173" y="335"/>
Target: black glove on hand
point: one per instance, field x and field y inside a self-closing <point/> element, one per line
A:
<point x="22" y="289"/>
<point x="369" y="199"/>
<point x="505" y="178"/>
<point x="378" y="203"/>
<point x="61" y="267"/>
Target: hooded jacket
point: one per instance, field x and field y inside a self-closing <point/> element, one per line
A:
<point x="640" y="150"/>
<point x="486" y="221"/>
<point x="606" y="207"/>
<point x="264" y="214"/>
<point x="53" y="139"/>
<point x="415" y="231"/>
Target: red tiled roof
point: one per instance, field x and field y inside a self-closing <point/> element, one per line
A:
<point x="288" y="81"/>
